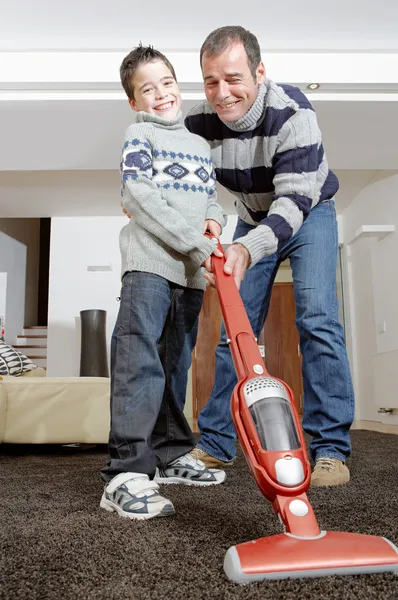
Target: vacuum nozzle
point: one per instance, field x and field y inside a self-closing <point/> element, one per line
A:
<point x="286" y="556"/>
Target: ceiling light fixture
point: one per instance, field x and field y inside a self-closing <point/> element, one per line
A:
<point x="313" y="86"/>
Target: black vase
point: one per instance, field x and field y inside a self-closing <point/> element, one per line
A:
<point x="93" y="354"/>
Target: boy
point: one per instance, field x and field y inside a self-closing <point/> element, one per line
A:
<point x="168" y="187"/>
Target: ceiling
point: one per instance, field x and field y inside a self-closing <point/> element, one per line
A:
<point x="73" y="135"/>
<point x="356" y="25"/>
<point x="60" y="156"/>
<point x="86" y="193"/>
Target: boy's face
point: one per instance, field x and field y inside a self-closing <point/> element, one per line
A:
<point x="156" y="91"/>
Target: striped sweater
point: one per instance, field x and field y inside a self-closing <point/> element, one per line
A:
<point x="272" y="160"/>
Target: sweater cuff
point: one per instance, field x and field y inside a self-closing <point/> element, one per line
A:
<point x="260" y="242"/>
<point x="216" y="213"/>
<point x="203" y="250"/>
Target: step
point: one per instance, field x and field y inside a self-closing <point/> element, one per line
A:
<point x="32" y="340"/>
<point x="35" y="330"/>
<point x="33" y="350"/>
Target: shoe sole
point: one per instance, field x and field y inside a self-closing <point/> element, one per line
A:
<point x="328" y="483"/>
<point x="167" y="511"/>
<point x="184" y="481"/>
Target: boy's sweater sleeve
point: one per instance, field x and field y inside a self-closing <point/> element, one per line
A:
<point x="298" y="180"/>
<point x="150" y="209"/>
<point x="214" y="210"/>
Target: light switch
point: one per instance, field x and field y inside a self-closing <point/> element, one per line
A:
<point x="382" y="327"/>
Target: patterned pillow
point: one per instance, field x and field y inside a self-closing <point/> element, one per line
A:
<point x="13" y="362"/>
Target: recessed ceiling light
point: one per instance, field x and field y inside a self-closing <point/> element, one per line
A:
<point x="313" y="86"/>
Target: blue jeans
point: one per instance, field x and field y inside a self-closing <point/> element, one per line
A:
<point x="151" y="348"/>
<point x="328" y="394"/>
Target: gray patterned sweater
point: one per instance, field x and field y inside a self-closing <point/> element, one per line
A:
<point x="272" y="160"/>
<point x="168" y="186"/>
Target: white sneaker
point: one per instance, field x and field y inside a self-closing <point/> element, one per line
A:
<point x="187" y="470"/>
<point x="134" y="496"/>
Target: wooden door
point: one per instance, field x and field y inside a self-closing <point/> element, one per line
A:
<point x="203" y="359"/>
<point x="281" y="340"/>
<point x="279" y="336"/>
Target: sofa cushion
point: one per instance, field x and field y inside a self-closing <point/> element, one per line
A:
<point x="13" y="362"/>
<point x="39" y="372"/>
<point x="56" y="410"/>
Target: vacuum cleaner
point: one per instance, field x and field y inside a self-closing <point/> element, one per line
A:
<point x="270" y="434"/>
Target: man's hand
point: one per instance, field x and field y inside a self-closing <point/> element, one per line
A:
<point x="236" y="264"/>
<point x="126" y="212"/>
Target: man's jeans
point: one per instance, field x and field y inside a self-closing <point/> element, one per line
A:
<point x="151" y="347"/>
<point x="328" y="393"/>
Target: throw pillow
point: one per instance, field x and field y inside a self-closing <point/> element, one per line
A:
<point x="13" y="362"/>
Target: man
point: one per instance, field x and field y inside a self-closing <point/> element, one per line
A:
<point x="267" y="150"/>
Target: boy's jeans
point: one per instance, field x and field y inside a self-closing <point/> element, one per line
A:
<point x="328" y="393"/>
<point x="151" y="347"/>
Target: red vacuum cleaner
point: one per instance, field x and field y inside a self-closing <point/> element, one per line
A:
<point x="270" y="433"/>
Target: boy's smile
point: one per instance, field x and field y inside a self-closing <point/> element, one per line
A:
<point x="156" y="91"/>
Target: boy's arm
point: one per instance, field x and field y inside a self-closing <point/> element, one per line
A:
<point x="151" y="211"/>
<point x="215" y="211"/>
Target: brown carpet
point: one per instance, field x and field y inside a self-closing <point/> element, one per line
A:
<point x="55" y="542"/>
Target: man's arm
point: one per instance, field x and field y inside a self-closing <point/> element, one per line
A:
<point x="300" y="170"/>
<point x="150" y="210"/>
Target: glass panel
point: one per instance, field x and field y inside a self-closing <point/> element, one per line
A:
<point x="274" y="423"/>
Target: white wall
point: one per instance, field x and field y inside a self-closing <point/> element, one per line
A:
<point x="3" y="296"/>
<point x="13" y="262"/>
<point x="75" y="244"/>
<point x="371" y="278"/>
<point x="27" y="231"/>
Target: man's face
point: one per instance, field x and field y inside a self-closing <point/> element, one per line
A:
<point x="156" y="91"/>
<point x="229" y="84"/>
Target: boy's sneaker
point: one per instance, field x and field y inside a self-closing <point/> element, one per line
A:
<point x="134" y="496"/>
<point x="189" y="471"/>
<point x="329" y="471"/>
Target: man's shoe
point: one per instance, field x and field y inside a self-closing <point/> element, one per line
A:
<point x="210" y="461"/>
<point x="329" y="471"/>
<point x="134" y="496"/>
<point x="187" y="470"/>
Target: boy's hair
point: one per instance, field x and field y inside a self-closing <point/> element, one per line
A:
<point x="139" y="56"/>
<point x="218" y="40"/>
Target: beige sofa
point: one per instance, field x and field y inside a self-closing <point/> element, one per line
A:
<point x="54" y="410"/>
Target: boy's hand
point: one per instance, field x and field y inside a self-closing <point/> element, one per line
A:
<point x="207" y="263"/>
<point x="126" y="212"/>
<point x="215" y="231"/>
<point x="213" y="227"/>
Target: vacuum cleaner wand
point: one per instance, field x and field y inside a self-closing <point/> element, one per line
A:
<point x="270" y="433"/>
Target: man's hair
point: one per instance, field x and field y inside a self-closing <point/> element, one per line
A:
<point x="220" y="39"/>
<point x="141" y="55"/>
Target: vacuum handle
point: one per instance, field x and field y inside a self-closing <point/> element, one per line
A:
<point x="243" y="344"/>
<point x="226" y="287"/>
